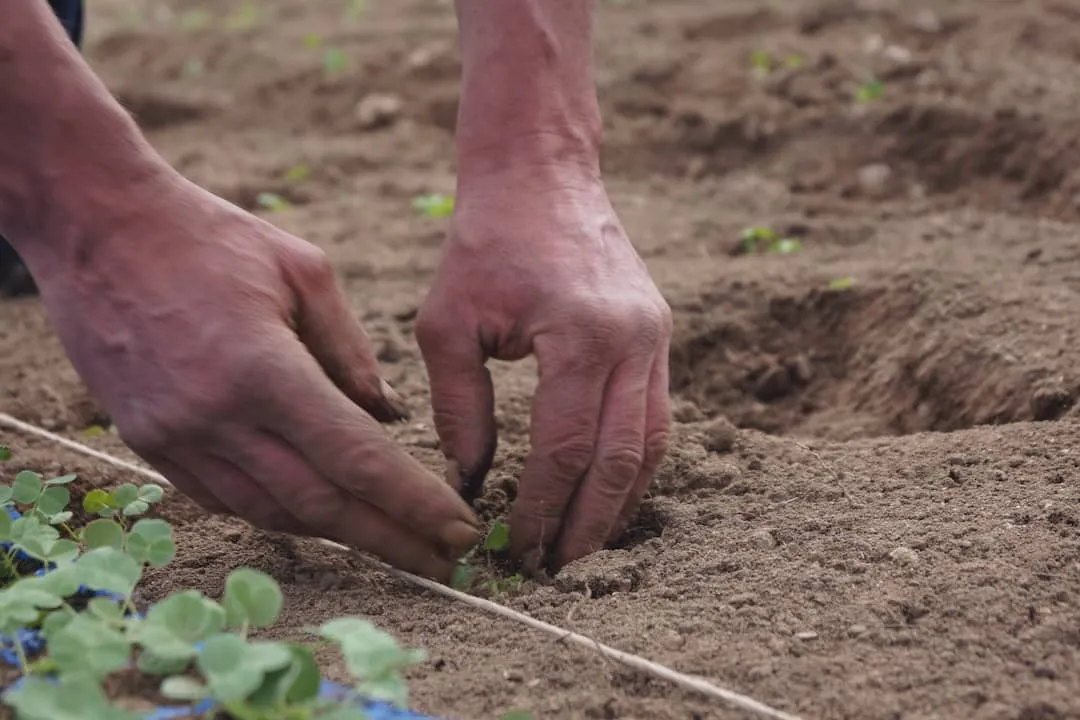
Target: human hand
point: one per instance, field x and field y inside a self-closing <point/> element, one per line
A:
<point x="229" y="360"/>
<point x="539" y="263"/>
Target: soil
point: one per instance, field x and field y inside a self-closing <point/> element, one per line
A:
<point x="872" y="504"/>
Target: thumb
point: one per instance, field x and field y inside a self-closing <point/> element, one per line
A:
<point x="327" y="327"/>
<point x="462" y="397"/>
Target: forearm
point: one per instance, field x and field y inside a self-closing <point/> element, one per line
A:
<point x="69" y="153"/>
<point x="528" y="97"/>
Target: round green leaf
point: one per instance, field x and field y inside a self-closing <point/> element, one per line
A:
<point x="5" y="453"/>
<point x="5" y="526"/>
<point x="6" y="494"/>
<point x="53" y="499"/>
<point x="125" y="494"/>
<point x="88" y="645"/>
<point x="107" y="568"/>
<point x="103" y="533"/>
<point x="62" y="480"/>
<point x="174" y="625"/>
<point x="27" y="487"/>
<point x="151" y="493"/>
<point x="136" y="507"/>
<point x="183" y="688"/>
<point x="252" y="597"/>
<point x="96" y="501"/>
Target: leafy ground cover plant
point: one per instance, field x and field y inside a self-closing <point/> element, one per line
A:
<point x="70" y="620"/>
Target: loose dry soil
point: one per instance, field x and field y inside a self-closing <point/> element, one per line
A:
<point x="894" y="529"/>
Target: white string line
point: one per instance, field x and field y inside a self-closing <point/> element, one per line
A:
<point x="687" y="682"/>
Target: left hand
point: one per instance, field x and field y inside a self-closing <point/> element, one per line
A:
<point x="539" y="263"/>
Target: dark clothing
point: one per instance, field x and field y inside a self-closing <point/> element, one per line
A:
<point x="14" y="278"/>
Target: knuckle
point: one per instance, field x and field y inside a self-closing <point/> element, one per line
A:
<point x="318" y="506"/>
<point x="313" y="265"/>
<point x="572" y="458"/>
<point x="620" y="465"/>
<point x="657" y="444"/>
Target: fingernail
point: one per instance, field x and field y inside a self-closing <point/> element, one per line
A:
<point x="459" y="536"/>
<point x="393" y="400"/>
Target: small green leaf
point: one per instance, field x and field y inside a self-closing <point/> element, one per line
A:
<point x="296" y="683"/>
<point x="174" y="625"/>
<point x="335" y="60"/>
<point x="518" y="715"/>
<point x="235" y="668"/>
<point x="272" y="201"/>
<point x="151" y="493"/>
<point x="5" y="453"/>
<point x="61" y="517"/>
<point x="62" y="551"/>
<point x="6" y="494"/>
<point x="841" y="283"/>
<point x="103" y="533"/>
<point x="94" y="431"/>
<point x="184" y="688"/>
<point x="53" y="500"/>
<point x="72" y="698"/>
<point x="88" y="645"/>
<point x="124" y="495"/>
<point x="5" y="526"/>
<point x="251" y="597"/>
<point x="106" y="568"/>
<point x="434" y="206"/>
<point x="136" y="507"/>
<point x="498" y="538"/>
<point x="27" y="487"/>
<point x="297" y="173"/>
<point x="462" y="577"/>
<point x="106" y="609"/>
<point x="62" y="480"/>
<point x="96" y="501"/>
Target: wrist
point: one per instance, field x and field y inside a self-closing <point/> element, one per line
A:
<point x="72" y="161"/>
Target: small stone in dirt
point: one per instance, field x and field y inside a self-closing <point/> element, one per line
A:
<point x="393" y="347"/>
<point x="1050" y="403"/>
<point x="904" y="556"/>
<point x="874" y="179"/>
<point x="927" y="21"/>
<point x="801" y="369"/>
<point x="763" y="539"/>
<point x="513" y="676"/>
<point x="774" y="384"/>
<point x="378" y="110"/>
<point x="687" y="412"/>
<point x="672" y="640"/>
<point x="720" y="435"/>
<point x="742" y="599"/>
<point x="806" y="635"/>
<point x="857" y="630"/>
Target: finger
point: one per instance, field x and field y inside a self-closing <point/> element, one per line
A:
<point x="463" y="400"/>
<point x="317" y="503"/>
<point x="620" y="452"/>
<point x="212" y="481"/>
<point x="657" y="429"/>
<point x="331" y="333"/>
<point x="565" y="419"/>
<point x="188" y="485"/>
<point x="347" y="447"/>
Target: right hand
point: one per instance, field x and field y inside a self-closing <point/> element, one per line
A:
<point x="230" y="361"/>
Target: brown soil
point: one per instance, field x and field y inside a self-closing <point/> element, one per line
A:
<point x="894" y="529"/>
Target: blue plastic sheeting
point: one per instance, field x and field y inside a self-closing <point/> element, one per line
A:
<point x="32" y="642"/>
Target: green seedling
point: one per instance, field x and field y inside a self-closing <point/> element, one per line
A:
<point x="297" y="173"/>
<point x="841" y="283"/>
<point x="272" y="202"/>
<point x="794" y="61"/>
<point x="355" y="9"/>
<point x="199" y="647"/>
<point x="869" y="91"/>
<point x="335" y="60"/>
<point x="313" y="41"/>
<point x="761" y="62"/>
<point x="245" y="17"/>
<point x="194" y="20"/>
<point x="763" y="239"/>
<point x="5" y="453"/>
<point x="518" y="715"/>
<point x="435" y="205"/>
<point x="464" y="577"/>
